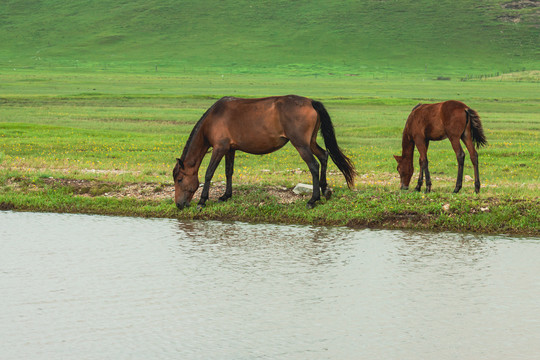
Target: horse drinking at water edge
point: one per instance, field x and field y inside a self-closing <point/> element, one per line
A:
<point x="450" y="119"/>
<point x="258" y="126"/>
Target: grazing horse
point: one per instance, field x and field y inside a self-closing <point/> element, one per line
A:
<point x="258" y="126"/>
<point x="450" y="119"/>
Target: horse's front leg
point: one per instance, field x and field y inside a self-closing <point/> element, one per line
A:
<point x="217" y="155"/>
<point x="420" y="177"/>
<point x="422" y="147"/>
<point x="229" y="169"/>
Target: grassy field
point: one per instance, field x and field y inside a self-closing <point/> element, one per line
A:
<point x="98" y="98"/>
<point x="75" y="142"/>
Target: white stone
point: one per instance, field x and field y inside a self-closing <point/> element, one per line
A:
<point x="300" y="189"/>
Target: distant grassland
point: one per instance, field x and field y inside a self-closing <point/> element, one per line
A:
<point x="445" y="38"/>
<point x="123" y="129"/>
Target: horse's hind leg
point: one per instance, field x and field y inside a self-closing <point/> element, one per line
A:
<point x="322" y="155"/>
<point x="229" y="169"/>
<point x="460" y="155"/>
<point x="313" y="165"/>
<point x="474" y="159"/>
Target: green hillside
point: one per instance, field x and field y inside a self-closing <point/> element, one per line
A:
<point x="447" y="37"/>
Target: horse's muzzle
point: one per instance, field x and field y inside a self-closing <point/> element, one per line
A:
<point x="403" y="187"/>
<point x="182" y="205"/>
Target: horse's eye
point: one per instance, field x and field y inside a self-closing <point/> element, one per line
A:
<point x="179" y="180"/>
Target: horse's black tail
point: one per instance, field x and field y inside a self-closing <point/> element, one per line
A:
<point x="476" y="128"/>
<point x="343" y="163"/>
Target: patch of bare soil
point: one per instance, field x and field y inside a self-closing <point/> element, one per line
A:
<point x="510" y="18"/>
<point x="522" y="4"/>
<point x="392" y="220"/>
<point x="153" y="191"/>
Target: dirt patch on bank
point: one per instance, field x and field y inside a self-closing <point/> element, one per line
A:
<point x="153" y="191"/>
<point x="521" y="4"/>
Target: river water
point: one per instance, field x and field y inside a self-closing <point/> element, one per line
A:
<point x="96" y="287"/>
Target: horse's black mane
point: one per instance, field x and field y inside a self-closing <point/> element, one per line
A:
<point x="196" y="128"/>
<point x="192" y="135"/>
<point x="180" y="161"/>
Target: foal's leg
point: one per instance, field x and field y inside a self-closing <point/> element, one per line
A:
<point x="322" y="155"/>
<point x="420" y="176"/>
<point x="313" y="165"/>
<point x="474" y="159"/>
<point x="460" y="155"/>
<point x="217" y="155"/>
<point x="229" y="169"/>
<point x="422" y="147"/>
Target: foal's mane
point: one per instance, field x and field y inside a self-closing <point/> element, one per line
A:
<point x="417" y="106"/>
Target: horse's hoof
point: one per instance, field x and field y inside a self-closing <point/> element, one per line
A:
<point x="224" y="198"/>
<point x="456" y="190"/>
<point x="327" y="194"/>
<point x="200" y="207"/>
<point x="310" y="205"/>
<point x="418" y="188"/>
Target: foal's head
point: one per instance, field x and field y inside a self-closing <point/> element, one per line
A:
<point x="405" y="169"/>
<point x="185" y="185"/>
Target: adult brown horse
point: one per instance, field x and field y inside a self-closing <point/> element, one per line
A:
<point x="450" y="119"/>
<point x="258" y="126"/>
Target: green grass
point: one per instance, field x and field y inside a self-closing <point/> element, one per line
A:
<point x="127" y="134"/>
<point x="100" y="96"/>
<point x="370" y="38"/>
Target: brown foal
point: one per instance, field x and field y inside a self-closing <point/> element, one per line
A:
<point x="433" y="122"/>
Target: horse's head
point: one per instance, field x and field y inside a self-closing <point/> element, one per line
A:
<point x="405" y="169"/>
<point x="186" y="184"/>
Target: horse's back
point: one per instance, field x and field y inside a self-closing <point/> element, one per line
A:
<point x="259" y="125"/>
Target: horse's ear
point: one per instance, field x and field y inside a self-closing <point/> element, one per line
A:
<point x="180" y="163"/>
<point x="398" y="158"/>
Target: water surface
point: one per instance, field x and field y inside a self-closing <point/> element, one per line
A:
<point x="96" y="287"/>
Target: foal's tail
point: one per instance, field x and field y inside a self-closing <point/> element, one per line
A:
<point x="343" y="163"/>
<point x="476" y="128"/>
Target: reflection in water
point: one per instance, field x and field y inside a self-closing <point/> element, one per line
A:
<point x="311" y="245"/>
<point x="102" y="287"/>
<point x="449" y="251"/>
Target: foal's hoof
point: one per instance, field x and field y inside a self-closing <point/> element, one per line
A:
<point x="224" y="198"/>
